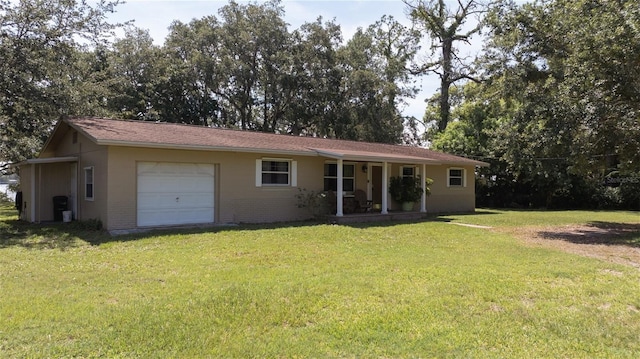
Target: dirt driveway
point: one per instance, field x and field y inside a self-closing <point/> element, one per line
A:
<point x="614" y="242"/>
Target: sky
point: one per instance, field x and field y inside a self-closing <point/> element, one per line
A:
<point x="157" y="15"/>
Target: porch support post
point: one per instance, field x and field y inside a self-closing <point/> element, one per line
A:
<point x="39" y="193"/>
<point x="423" y="184"/>
<point x="339" y="199"/>
<point x="385" y="188"/>
<point x="31" y="206"/>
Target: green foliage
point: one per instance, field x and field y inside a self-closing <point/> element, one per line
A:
<point x="555" y="114"/>
<point x="630" y="191"/>
<point x="4" y="199"/>
<point x="408" y="189"/>
<point x="241" y="69"/>
<point x="93" y="224"/>
<point x="376" y="81"/>
<point x="40" y="49"/>
<point x="305" y="82"/>
<point x="316" y="203"/>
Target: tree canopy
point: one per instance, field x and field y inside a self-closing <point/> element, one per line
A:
<point x="552" y="102"/>
<point x="558" y="110"/>
<point x="242" y="68"/>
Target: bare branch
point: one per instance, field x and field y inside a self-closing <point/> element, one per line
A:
<point x="443" y="27"/>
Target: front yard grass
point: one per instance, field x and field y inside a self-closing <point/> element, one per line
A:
<point x="427" y="289"/>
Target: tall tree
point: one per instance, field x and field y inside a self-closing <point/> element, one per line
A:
<point x="574" y="67"/>
<point x="318" y="75"/>
<point x="251" y="37"/>
<point x="189" y="88"/>
<point x="559" y="110"/>
<point x="134" y="65"/>
<point x="39" y="43"/>
<point x="377" y="81"/>
<point x="446" y="28"/>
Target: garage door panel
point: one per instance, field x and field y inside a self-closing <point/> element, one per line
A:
<point x="175" y="193"/>
<point x="150" y="184"/>
<point x="174" y="200"/>
<point x="159" y="217"/>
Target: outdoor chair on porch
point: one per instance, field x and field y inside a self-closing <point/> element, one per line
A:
<point x="350" y="204"/>
<point x="362" y="203"/>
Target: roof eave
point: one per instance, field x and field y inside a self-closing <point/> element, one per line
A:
<point x="34" y="161"/>
<point x="467" y="163"/>
<point x="203" y="148"/>
<point x="376" y="158"/>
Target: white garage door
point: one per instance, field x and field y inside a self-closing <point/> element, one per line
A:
<point x="174" y="193"/>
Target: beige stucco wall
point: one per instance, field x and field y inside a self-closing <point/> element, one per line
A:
<point x="237" y="199"/>
<point x="90" y="155"/>
<point x="66" y="147"/>
<point x="54" y="179"/>
<point x="25" y="187"/>
<point x="442" y="199"/>
<point x="450" y="199"/>
<point x="50" y="179"/>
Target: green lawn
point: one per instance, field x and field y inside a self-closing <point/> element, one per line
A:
<point x="426" y="289"/>
<point x="518" y="218"/>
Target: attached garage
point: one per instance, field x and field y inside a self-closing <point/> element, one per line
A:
<point x="174" y="193"/>
<point x="132" y="175"/>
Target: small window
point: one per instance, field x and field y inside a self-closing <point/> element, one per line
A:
<point x="408" y="172"/>
<point x="456" y="177"/>
<point x="275" y="173"/>
<point x="88" y="183"/>
<point x="74" y="137"/>
<point x="331" y="177"/>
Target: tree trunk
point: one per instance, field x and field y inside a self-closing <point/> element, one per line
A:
<point x="445" y="83"/>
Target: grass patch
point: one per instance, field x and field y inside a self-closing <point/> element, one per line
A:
<point x="405" y="290"/>
<point x="519" y="218"/>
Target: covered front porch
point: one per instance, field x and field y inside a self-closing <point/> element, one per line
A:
<point x="370" y="173"/>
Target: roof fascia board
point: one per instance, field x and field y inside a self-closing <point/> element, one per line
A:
<point x="203" y="148"/>
<point x="368" y="158"/>
<point x="33" y="161"/>
<point x="467" y="163"/>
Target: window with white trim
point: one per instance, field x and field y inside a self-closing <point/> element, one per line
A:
<point x="276" y="172"/>
<point x="455" y="177"/>
<point x="88" y="183"/>
<point x="407" y="172"/>
<point x="331" y="177"/>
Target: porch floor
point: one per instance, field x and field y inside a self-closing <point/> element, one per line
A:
<point x="376" y="217"/>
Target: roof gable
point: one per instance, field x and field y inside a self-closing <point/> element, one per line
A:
<point x="179" y="136"/>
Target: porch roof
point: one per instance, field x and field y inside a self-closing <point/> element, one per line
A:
<point x="365" y="156"/>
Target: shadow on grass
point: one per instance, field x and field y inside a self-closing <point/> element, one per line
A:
<point x="607" y="233"/>
<point x="443" y="216"/>
<point x="62" y="236"/>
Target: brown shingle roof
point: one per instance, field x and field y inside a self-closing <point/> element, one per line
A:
<point x="171" y="135"/>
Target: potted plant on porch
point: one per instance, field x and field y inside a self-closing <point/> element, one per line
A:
<point x="407" y="190"/>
